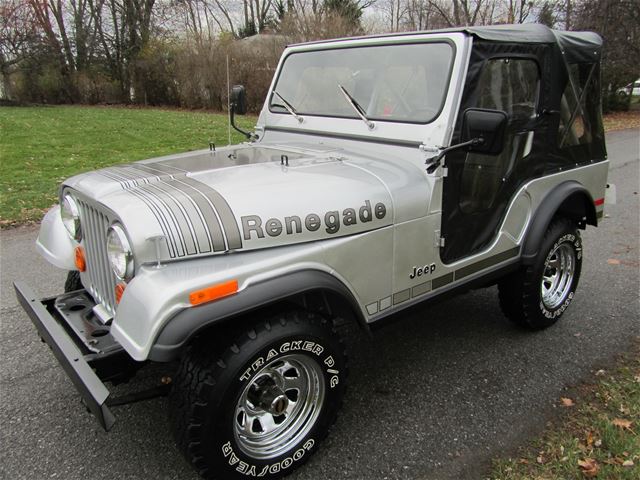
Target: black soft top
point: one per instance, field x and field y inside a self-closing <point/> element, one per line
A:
<point x="576" y="46"/>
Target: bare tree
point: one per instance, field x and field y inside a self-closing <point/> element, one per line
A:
<point x="618" y="22"/>
<point x="519" y="10"/>
<point x="18" y="35"/>
<point x="458" y="13"/>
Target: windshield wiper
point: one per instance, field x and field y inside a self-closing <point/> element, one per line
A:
<point x="356" y="106"/>
<point x="289" y="107"/>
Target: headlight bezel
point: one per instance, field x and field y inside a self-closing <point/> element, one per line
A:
<point x="70" y="215"/>
<point x="117" y="232"/>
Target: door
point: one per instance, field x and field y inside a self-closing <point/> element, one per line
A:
<point x="478" y="188"/>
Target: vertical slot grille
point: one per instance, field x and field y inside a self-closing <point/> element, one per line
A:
<point x="102" y="281"/>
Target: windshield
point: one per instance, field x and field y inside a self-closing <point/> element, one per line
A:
<point x="402" y="83"/>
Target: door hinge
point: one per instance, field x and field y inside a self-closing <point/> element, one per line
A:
<point x="438" y="240"/>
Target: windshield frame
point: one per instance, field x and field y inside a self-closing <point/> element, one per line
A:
<point x="398" y="42"/>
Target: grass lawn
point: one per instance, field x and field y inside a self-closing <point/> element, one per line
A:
<point x="599" y="438"/>
<point x="42" y="146"/>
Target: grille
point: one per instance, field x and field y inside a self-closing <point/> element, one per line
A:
<point x="102" y="281"/>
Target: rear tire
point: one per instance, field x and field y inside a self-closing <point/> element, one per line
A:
<point x="260" y="406"/>
<point x="537" y="296"/>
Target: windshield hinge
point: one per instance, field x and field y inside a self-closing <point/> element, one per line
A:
<point x="428" y="148"/>
<point x="438" y="240"/>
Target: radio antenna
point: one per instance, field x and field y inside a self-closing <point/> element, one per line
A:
<point x="228" y="103"/>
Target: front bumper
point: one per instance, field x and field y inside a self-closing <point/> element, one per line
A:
<point x="87" y="361"/>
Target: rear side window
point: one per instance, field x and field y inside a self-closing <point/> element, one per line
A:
<point x="575" y="122"/>
<point x="510" y="85"/>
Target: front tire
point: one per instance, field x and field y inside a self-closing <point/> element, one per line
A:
<point x="261" y="406"/>
<point x="72" y="283"/>
<point x="538" y="295"/>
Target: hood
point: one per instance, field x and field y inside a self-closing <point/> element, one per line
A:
<point x="233" y="199"/>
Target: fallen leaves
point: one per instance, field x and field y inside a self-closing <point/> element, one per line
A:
<point x="621" y="120"/>
<point x="622" y="423"/>
<point x="596" y="438"/>
<point x="589" y="467"/>
<point x="616" y="461"/>
<point x="589" y="439"/>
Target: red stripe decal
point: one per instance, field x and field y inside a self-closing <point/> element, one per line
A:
<point x="599" y="201"/>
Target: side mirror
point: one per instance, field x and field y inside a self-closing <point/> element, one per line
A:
<point x="238" y="105"/>
<point x="238" y="99"/>
<point x="482" y="132"/>
<point x="486" y="125"/>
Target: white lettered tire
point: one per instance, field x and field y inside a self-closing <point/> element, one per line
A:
<point x="538" y="295"/>
<point x="261" y="406"/>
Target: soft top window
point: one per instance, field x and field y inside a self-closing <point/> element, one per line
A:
<point x="575" y="126"/>
<point x="403" y="83"/>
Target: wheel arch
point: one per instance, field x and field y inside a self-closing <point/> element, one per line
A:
<point x="569" y="199"/>
<point x="311" y="289"/>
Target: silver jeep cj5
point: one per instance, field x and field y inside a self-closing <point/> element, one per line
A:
<point x="383" y="172"/>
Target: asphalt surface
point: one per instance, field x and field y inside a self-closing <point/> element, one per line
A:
<point x="433" y="396"/>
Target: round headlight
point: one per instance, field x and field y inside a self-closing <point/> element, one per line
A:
<point x="119" y="252"/>
<point x="71" y="217"/>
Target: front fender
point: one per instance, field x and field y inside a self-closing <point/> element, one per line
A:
<point x="54" y="242"/>
<point x="154" y="317"/>
<point x="177" y="333"/>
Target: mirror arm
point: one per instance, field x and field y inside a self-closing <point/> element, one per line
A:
<point x="434" y="163"/>
<point x="249" y="135"/>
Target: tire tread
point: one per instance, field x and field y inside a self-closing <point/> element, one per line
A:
<point x="517" y="292"/>
<point x="196" y="378"/>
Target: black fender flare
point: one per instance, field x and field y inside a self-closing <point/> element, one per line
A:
<point x="183" y="326"/>
<point x="569" y="198"/>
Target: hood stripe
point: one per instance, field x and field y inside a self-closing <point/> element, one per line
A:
<point x="219" y="204"/>
<point x="118" y="177"/>
<point x="132" y="182"/>
<point x="205" y="210"/>
<point x="171" y="247"/>
<point x="172" y="221"/>
<point x="193" y="217"/>
<point x="209" y="214"/>
<point x="178" y="208"/>
<point x="162" y="167"/>
<point x="113" y="174"/>
<point x="227" y="217"/>
<point x="146" y="189"/>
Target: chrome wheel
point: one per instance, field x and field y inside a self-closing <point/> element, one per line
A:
<point x="279" y="406"/>
<point x="557" y="277"/>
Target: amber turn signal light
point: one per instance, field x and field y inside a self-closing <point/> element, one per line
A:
<point x="119" y="291"/>
<point x="214" y="292"/>
<point x="81" y="263"/>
